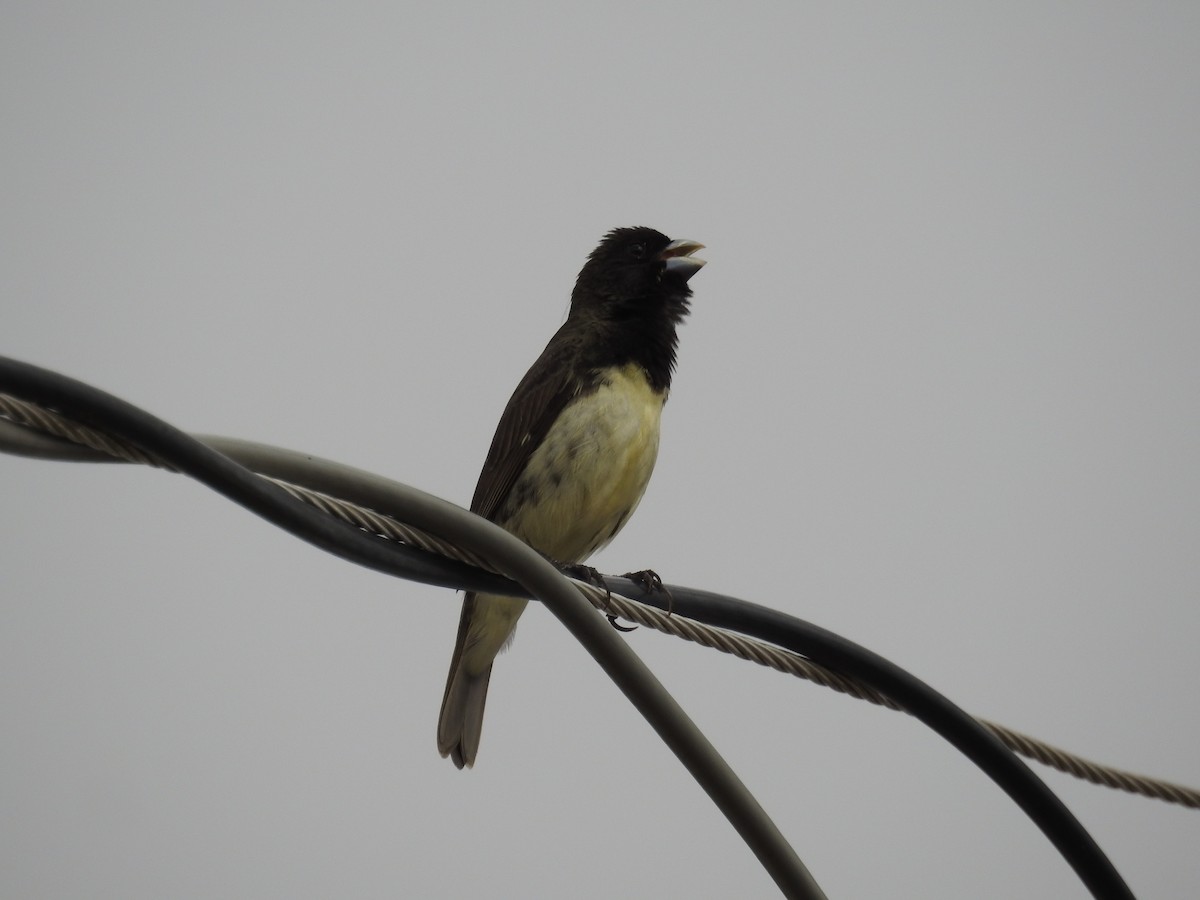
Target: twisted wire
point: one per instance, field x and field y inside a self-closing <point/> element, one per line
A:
<point x="37" y="417"/>
<point x="379" y="524"/>
<point x="50" y="422"/>
<point x="792" y="664"/>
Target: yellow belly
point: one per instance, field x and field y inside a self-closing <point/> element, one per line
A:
<point x="580" y="486"/>
<point x="586" y="479"/>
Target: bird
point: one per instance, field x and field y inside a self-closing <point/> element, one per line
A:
<point x="576" y="444"/>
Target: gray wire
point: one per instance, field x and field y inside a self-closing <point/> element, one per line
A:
<point x="515" y="559"/>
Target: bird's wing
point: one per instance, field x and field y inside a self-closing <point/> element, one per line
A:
<point x="546" y="388"/>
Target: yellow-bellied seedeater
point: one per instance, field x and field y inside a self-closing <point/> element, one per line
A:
<point x="577" y="442"/>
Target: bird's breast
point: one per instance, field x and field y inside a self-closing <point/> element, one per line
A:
<point x="586" y="478"/>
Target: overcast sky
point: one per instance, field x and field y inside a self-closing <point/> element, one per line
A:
<point x="938" y="393"/>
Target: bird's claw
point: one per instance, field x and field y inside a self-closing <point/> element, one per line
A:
<point x="612" y="620"/>
<point x="648" y="581"/>
<point x="589" y="575"/>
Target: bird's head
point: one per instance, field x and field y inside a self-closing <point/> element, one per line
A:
<point x="637" y="271"/>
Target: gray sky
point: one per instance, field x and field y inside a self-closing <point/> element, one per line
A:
<point x="938" y="393"/>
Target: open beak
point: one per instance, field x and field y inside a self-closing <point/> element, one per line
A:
<point x="678" y="258"/>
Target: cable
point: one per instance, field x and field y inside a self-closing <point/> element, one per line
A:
<point x="969" y="736"/>
<point x="42" y="444"/>
<point x="109" y="414"/>
<point x="154" y="442"/>
<point x="1050" y="815"/>
<point x="23" y="441"/>
<point x="790" y="663"/>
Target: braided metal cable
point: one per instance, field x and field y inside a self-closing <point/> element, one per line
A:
<point x="33" y="416"/>
<point x="791" y="664"/>
<point x="379" y="524"/>
<point x="1085" y="769"/>
<point x="36" y="417"/>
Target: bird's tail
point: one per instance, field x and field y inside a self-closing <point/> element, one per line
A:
<point x="461" y="719"/>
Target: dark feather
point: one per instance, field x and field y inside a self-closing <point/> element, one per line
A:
<point x="532" y="409"/>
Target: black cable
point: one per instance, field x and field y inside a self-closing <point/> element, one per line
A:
<point x="112" y="415"/>
<point x="920" y="700"/>
<point x="106" y="413"/>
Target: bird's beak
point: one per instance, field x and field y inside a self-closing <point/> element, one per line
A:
<point x="678" y="258"/>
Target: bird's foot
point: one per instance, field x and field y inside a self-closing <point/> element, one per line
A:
<point x="648" y="581"/>
<point x="589" y="575"/>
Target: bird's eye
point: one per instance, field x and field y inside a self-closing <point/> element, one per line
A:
<point x="638" y="251"/>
